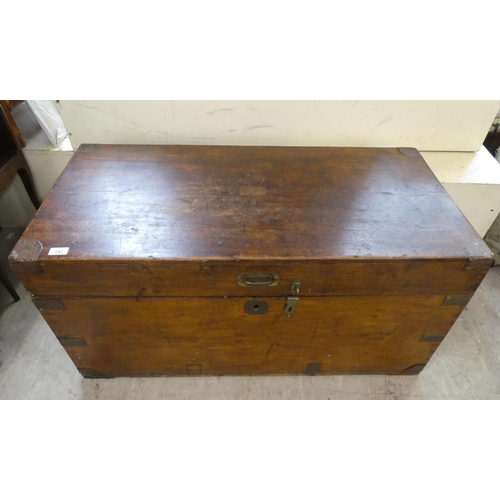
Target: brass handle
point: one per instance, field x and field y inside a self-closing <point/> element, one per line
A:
<point x="258" y="279"/>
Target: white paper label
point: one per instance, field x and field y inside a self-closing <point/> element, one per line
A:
<point x="59" y="251"/>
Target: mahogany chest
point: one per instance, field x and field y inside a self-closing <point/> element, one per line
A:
<point x="235" y="260"/>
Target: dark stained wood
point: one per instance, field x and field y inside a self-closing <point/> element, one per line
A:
<point x="217" y="336"/>
<point x="492" y="142"/>
<point x="9" y="286"/>
<point x="17" y="164"/>
<point x="7" y="108"/>
<point x="157" y="236"/>
<point x="12" y="161"/>
<point x="257" y="203"/>
<point x="4" y="280"/>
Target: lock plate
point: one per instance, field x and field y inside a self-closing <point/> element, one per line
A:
<point x="256" y="307"/>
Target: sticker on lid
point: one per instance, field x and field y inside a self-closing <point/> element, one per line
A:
<point x="59" y="251"/>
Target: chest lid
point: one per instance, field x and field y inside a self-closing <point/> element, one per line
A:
<point x="246" y="204"/>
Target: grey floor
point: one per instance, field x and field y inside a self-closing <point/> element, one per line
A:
<point x="466" y="365"/>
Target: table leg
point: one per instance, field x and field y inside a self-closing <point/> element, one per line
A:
<point x="29" y="185"/>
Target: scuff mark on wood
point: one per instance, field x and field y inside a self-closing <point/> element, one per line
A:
<point x="151" y="272"/>
<point x="205" y="270"/>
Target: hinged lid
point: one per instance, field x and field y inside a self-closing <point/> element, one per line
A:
<point x="154" y="209"/>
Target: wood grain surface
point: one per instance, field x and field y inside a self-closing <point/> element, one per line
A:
<point x="215" y="336"/>
<point x="155" y="278"/>
<point x="256" y="203"/>
<point x="158" y="235"/>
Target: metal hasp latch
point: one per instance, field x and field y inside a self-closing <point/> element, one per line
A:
<point x="291" y="305"/>
<point x="291" y="302"/>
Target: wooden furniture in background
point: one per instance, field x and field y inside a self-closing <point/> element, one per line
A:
<point x="492" y="142"/>
<point x="8" y="107"/>
<point x="217" y="260"/>
<point x="12" y="162"/>
<point x="7" y="284"/>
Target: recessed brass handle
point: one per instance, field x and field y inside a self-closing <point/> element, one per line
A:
<point x="258" y="279"/>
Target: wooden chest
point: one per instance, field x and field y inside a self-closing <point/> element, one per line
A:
<point x="219" y="260"/>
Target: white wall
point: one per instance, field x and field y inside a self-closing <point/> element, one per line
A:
<point x="426" y="125"/>
<point x="473" y="182"/>
<point x="16" y="209"/>
<point x="471" y="179"/>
